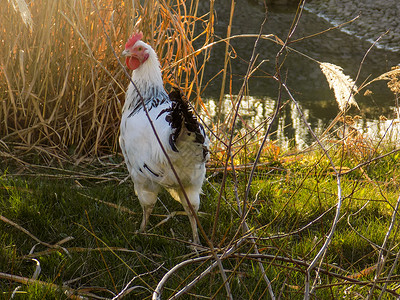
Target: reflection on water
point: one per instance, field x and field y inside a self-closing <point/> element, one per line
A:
<point x="289" y="129"/>
<point x="302" y="76"/>
<point x="254" y="115"/>
<point x="384" y="131"/>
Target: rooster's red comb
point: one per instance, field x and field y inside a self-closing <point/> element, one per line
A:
<point x="133" y="39"/>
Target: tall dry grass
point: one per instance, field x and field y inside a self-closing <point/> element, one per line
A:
<point x="61" y="85"/>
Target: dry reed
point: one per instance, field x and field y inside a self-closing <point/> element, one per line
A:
<point x="61" y="86"/>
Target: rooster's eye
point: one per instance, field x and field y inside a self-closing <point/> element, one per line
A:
<point x="140" y="48"/>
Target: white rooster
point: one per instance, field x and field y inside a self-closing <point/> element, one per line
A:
<point x="181" y="135"/>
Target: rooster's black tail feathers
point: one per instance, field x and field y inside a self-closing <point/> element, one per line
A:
<point x="180" y="116"/>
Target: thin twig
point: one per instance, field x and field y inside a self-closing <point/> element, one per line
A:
<point x="125" y="290"/>
<point x="381" y="258"/>
<point x="329" y="237"/>
<point x="161" y="283"/>
<point x="230" y="156"/>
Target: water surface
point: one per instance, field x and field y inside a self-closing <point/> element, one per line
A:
<point x="302" y="75"/>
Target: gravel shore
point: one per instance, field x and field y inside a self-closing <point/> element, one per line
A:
<point x="375" y="18"/>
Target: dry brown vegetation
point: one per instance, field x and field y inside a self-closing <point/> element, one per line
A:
<point x="61" y="83"/>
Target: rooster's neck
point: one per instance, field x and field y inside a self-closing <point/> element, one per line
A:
<point x="146" y="82"/>
<point x="149" y="73"/>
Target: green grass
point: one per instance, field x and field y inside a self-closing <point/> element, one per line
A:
<point x="106" y="252"/>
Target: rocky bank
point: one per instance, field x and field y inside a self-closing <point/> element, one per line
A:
<point x="375" y="19"/>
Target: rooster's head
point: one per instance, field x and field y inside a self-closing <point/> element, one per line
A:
<point x="136" y="51"/>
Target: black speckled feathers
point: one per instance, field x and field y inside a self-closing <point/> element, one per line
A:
<point x="181" y="115"/>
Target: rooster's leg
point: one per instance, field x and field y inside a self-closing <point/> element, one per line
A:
<point x="193" y="223"/>
<point x="146" y="214"/>
<point x="147" y="201"/>
<point x="194" y="200"/>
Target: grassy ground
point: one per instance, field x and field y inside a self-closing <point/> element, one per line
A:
<point x="291" y="209"/>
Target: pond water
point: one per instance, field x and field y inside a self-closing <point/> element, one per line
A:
<point x="303" y="76"/>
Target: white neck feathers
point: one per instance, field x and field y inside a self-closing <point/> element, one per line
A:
<point x="149" y="71"/>
<point x="148" y="80"/>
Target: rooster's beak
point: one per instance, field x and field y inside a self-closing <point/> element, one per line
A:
<point x="126" y="52"/>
